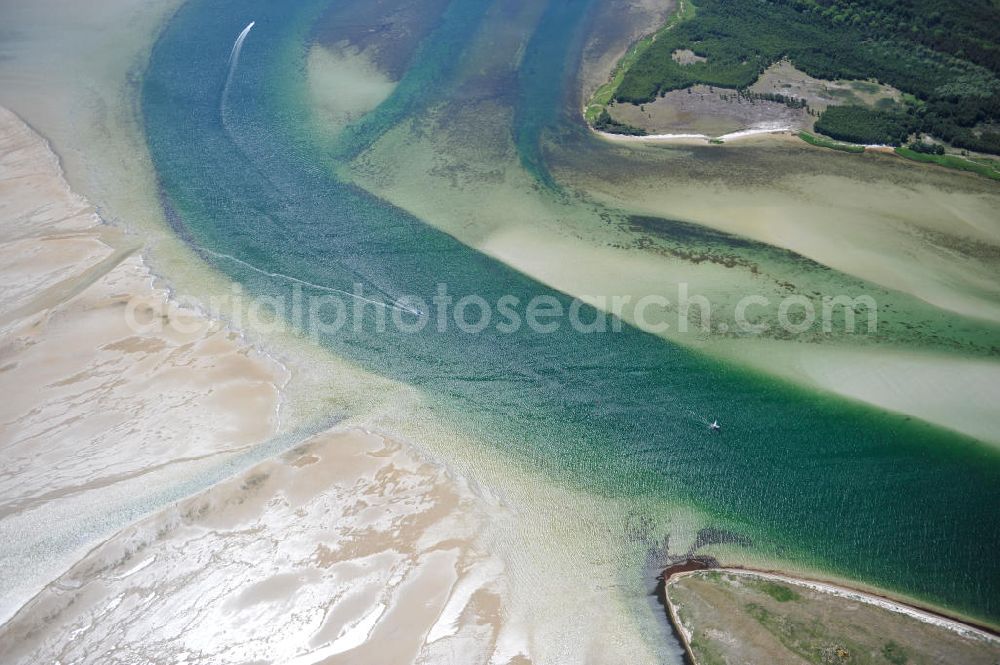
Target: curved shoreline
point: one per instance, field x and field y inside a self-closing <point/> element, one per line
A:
<point x="691" y="565"/>
<point x="694" y="565"/>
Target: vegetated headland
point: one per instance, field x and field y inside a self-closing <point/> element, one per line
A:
<point x="922" y="77"/>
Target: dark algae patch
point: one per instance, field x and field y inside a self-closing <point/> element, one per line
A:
<point x="390" y="31"/>
<point x="783" y="271"/>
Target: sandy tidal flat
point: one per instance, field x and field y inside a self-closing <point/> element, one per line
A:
<point x="96" y="411"/>
<point x="346" y="549"/>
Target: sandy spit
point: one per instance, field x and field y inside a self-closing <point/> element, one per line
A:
<point x="666" y="138"/>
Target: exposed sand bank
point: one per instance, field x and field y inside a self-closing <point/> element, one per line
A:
<point x="72" y="73"/>
<point x="127" y="417"/>
<point x="96" y="409"/>
<point x="331" y="72"/>
<point x="347" y="549"/>
<point x="371" y="543"/>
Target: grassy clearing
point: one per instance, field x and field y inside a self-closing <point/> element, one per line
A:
<point x="983" y="167"/>
<point x="823" y="142"/>
<point x="779" y="592"/>
<point x="603" y="95"/>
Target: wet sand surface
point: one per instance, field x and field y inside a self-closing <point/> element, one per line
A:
<point x="349" y="548"/>
<point x="346" y="549"/>
<point x="72" y="73"/>
<point x="97" y="410"/>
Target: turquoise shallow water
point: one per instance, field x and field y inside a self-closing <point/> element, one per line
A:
<point x="809" y="479"/>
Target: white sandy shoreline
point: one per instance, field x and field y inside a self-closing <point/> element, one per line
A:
<point x="668" y="138"/>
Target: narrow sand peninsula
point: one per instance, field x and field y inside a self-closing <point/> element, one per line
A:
<point x="911" y="382"/>
<point x="97" y="412"/>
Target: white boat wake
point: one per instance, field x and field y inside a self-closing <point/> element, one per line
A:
<point x="329" y="289"/>
<point x="235" y="53"/>
<point x="234" y="58"/>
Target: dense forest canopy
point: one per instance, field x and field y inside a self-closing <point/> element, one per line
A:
<point x="859" y="124"/>
<point x="945" y="54"/>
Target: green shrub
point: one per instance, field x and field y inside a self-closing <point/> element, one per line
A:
<point x="824" y="142"/>
<point x="894" y="654"/>
<point x="927" y="148"/>
<point x="860" y="124"/>
<point x="779" y="592"/>
<point x="606" y="123"/>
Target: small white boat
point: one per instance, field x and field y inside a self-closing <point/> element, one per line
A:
<point x="715" y="426"/>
